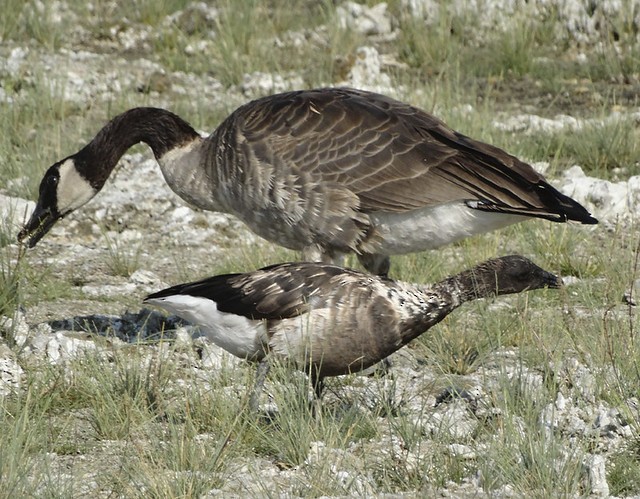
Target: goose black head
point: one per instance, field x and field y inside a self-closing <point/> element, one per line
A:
<point x="63" y="189"/>
<point x="515" y="273"/>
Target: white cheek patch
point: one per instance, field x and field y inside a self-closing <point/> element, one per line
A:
<point x="73" y="189"/>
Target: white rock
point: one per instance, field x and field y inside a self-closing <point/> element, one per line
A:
<point x="561" y="402"/>
<point x="429" y="10"/>
<point x="575" y="423"/>
<point x="52" y="350"/>
<point x="10" y="376"/>
<point x="531" y="123"/>
<point x="577" y="19"/>
<point x="549" y="417"/>
<point x="14" y="212"/>
<point x="13" y="64"/>
<point x="146" y="278"/>
<point x="15" y="327"/>
<point x="606" y="421"/>
<point x="316" y="452"/>
<point x="363" y="19"/>
<point x="10" y="371"/>
<point x="595" y="465"/>
<point x="366" y="72"/>
<point x="182" y="214"/>
<point x="570" y="280"/>
<point x="109" y="289"/>
<point x="461" y="451"/>
<point x="183" y="338"/>
<point x="258" y="83"/>
<point x="342" y="463"/>
<point x="540" y="166"/>
<point x="4" y="97"/>
<point x="212" y="357"/>
<point x="38" y="342"/>
<point x="453" y="419"/>
<point x="207" y="11"/>
<point x="607" y="200"/>
<point x="530" y="381"/>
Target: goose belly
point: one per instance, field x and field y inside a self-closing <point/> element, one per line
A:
<point x="435" y="226"/>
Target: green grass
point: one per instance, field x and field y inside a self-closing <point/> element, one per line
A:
<point x="24" y="423"/>
<point x="10" y="275"/>
<point x="124" y="256"/>
<point x="624" y="472"/>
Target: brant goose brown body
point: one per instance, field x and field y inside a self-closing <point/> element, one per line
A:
<point x="330" y="320"/>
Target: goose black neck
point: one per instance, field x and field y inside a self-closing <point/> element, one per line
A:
<point x="478" y="282"/>
<point x="158" y="128"/>
<point x="498" y="276"/>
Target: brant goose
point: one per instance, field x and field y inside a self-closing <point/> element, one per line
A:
<point x="330" y="320"/>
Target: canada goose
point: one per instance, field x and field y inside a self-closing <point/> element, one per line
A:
<point x="329" y="320"/>
<point x="326" y="171"/>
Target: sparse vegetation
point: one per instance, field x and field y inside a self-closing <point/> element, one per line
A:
<point x="124" y="256"/>
<point x="157" y="420"/>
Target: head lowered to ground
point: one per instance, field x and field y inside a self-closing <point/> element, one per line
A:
<point x="331" y="320"/>
<point x="62" y="190"/>
<point x="327" y="172"/>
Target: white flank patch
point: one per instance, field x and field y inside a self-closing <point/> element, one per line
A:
<point x="73" y="189"/>
<point x="435" y="226"/>
<point x="236" y="334"/>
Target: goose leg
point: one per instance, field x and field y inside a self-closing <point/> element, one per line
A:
<point x="318" y="386"/>
<point x="312" y="254"/>
<point x="317" y="254"/>
<point x="261" y="375"/>
<point x="375" y="263"/>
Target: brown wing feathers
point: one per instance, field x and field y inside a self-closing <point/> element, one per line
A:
<point x="276" y="292"/>
<point x="391" y="154"/>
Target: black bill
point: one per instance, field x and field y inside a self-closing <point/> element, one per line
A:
<point x="41" y="221"/>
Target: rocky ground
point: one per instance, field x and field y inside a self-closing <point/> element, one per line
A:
<point x="166" y="240"/>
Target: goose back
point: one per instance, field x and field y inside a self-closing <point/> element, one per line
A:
<point x="393" y="156"/>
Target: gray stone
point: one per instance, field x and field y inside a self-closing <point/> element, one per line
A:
<point x="597" y="475"/>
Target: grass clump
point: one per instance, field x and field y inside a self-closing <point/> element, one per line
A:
<point x="10" y="275"/>
<point x="31" y="21"/>
<point x="602" y="149"/>
<point x="623" y="472"/>
<point x="123" y="255"/>
<point x="23" y="421"/>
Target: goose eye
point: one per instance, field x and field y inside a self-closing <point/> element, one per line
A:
<point x="52" y="180"/>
